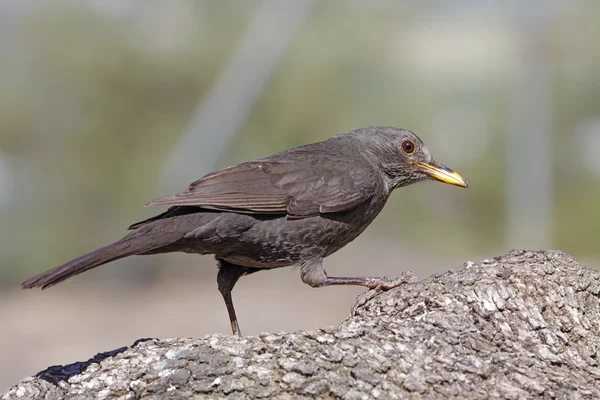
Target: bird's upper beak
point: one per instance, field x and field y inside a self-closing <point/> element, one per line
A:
<point x="442" y="174"/>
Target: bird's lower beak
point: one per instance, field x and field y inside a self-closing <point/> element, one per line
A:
<point x="443" y="174"/>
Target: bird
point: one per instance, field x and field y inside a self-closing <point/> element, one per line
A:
<point x="293" y="208"/>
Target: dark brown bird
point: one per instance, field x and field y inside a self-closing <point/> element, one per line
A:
<point x="292" y="208"/>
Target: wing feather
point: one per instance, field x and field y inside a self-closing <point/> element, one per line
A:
<point x="293" y="187"/>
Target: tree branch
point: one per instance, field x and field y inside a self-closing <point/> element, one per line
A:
<point x="519" y="326"/>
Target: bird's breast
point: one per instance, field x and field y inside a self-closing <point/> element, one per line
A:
<point x="270" y="241"/>
<point x="285" y="240"/>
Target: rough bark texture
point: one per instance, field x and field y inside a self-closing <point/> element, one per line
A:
<point x="525" y="325"/>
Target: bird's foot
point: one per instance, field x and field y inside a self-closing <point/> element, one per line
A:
<point x="378" y="285"/>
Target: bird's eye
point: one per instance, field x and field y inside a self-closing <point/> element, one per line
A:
<point x="408" y="147"/>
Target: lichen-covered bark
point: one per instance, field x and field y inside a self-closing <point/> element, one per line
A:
<point x="525" y="325"/>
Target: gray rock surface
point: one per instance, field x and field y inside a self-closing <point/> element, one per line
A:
<point x="525" y="325"/>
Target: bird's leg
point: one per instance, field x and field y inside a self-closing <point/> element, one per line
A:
<point x="375" y="284"/>
<point x="371" y="282"/>
<point x="313" y="274"/>
<point x="227" y="277"/>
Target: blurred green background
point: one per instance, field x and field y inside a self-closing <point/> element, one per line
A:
<point x="106" y="104"/>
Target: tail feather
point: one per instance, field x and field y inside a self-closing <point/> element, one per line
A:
<point x="126" y="247"/>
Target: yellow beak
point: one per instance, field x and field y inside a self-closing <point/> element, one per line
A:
<point x="443" y="174"/>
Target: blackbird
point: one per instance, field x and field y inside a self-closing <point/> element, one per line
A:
<point x="293" y="208"/>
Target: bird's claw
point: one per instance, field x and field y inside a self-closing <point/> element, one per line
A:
<point x="378" y="285"/>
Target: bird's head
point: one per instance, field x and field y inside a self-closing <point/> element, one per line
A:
<point x="404" y="158"/>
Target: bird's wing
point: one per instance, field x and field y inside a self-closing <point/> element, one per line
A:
<point x="293" y="187"/>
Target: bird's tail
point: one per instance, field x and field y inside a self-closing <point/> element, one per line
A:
<point x="128" y="246"/>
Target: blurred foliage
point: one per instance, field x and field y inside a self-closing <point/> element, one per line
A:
<point x="93" y="100"/>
